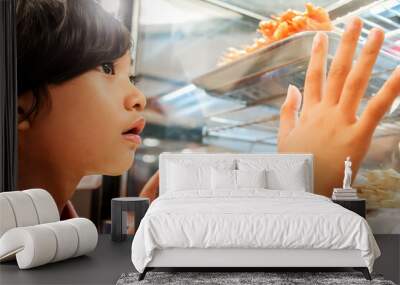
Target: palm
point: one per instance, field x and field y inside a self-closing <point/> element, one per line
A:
<point x="330" y="138"/>
<point x="327" y="126"/>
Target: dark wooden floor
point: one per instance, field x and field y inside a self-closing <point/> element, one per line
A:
<point x="102" y="266"/>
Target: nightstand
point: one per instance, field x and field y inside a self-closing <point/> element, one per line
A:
<point x="124" y="209"/>
<point x="358" y="206"/>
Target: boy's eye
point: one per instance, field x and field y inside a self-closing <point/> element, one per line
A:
<point x="133" y="79"/>
<point x="108" y="68"/>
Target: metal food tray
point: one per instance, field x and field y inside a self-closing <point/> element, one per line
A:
<point x="266" y="73"/>
<point x="262" y="78"/>
<point x="265" y="83"/>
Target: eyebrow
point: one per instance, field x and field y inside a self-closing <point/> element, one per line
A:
<point x="118" y="62"/>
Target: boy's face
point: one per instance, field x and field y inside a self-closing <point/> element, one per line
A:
<point x="83" y="129"/>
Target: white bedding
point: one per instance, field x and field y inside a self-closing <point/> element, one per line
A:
<point x="252" y="218"/>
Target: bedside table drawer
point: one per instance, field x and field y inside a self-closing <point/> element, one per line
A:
<point x="357" y="206"/>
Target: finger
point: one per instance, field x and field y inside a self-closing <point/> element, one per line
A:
<point x="357" y="80"/>
<point x="154" y="180"/>
<point x="289" y="111"/>
<point x="156" y="175"/>
<point x="379" y="104"/>
<point x="315" y="76"/>
<point x="150" y="189"/>
<point x="342" y="62"/>
<point x="150" y="193"/>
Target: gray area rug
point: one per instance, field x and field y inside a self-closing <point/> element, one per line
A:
<point x="231" y="278"/>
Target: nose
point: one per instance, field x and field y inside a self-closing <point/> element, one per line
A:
<point x="135" y="100"/>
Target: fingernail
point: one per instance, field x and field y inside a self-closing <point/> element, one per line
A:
<point x="289" y="93"/>
<point x="316" y="41"/>
<point x="395" y="105"/>
<point x="375" y="33"/>
<point x="354" y="24"/>
<point x="397" y="71"/>
<point x="291" y="88"/>
<point x="293" y="95"/>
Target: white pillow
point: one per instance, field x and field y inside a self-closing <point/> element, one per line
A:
<point x="292" y="179"/>
<point x="251" y="178"/>
<point x="226" y="179"/>
<point x="281" y="175"/>
<point x="182" y="177"/>
<point x="223" y="179"/>
<point x="189" y="174"/>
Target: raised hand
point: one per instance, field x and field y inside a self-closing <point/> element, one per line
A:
<point x="150" y="189"/>
<point x="327" y="125"/>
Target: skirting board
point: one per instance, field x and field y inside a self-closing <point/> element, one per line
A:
<point x="232" y="257"/>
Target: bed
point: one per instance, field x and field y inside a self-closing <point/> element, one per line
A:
<point x="247" y="211"/>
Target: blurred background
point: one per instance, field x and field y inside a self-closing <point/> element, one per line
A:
<point x="196" y="106"/>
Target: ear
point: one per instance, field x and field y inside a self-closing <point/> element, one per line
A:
<point x="24" y="105"/>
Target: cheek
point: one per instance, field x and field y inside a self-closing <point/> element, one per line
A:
<point x="92" y="144"/>
<point x="76" y="136"/>
<point x="96" y="139"/>
<point x="83" y="129"/>
<point x="109" y="152"/>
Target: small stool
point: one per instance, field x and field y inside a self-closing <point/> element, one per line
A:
<point x="120" y="208"/>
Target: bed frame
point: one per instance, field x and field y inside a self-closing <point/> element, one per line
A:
<point x="249" y="259"/>
<point x="242" y="259"/>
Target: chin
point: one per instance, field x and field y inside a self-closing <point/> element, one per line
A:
<point x="119" y="167"/>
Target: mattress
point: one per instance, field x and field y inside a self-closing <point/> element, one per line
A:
<point x="250" y="219"/>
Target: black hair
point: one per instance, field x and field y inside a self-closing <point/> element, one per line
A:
<point x="58" y="40"/>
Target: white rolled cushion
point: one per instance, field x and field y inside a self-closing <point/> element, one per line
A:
<point x="40" y="244"/>
<point x="45" y="205"/>
<point x="251" y="178"/>
<point x="87" y="235"/>
<point x="23" y="208"/>
<point x="7" y="218"/>
<point x="67" y="240"/>
<point x="33" y="245"/>
<point x="182" y="177"/>
<point x="223" y="179"/>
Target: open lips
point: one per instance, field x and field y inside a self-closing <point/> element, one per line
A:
<point x="132" y="133"/>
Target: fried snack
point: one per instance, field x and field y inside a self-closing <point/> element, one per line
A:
<point x="381" y="188"/>
<point x="283" y="26"/>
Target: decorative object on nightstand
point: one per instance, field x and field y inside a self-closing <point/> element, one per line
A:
<point x="355" y="205"/>
<point x="345" y="193"/>
<point x="126" y="214"/>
